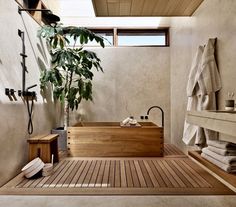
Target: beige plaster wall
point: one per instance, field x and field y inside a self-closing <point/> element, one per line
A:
<point x="134" y="79"/>
<point x="214" y="18"/>
<point x="181" y="41"/>
<point x="53" y="5"/>
<point x="13" y="114"/>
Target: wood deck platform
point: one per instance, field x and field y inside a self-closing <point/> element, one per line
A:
<point x="173" y="174"/>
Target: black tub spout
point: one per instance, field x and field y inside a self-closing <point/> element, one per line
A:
<point x="162" y="113"/>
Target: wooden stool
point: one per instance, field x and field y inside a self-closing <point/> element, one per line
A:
<point x="43" y="147"/>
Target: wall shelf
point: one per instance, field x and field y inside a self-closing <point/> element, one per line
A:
<point x="219" y="121"/>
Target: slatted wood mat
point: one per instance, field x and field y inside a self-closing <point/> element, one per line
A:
<point x="122" y="176"/>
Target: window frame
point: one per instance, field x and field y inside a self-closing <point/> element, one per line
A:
<point x="162" y="31"/>
<point x="140" y="31"/>
<point x="102" y="31"/>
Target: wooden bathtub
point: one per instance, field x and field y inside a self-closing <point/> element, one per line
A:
<point x="109" y="139"/>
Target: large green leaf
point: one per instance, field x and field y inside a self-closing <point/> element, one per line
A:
<point x="71" y="71"/>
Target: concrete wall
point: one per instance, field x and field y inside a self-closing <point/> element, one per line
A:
<point x="13" y="114"/>
<point x="214" y="18"/>
<point x="181" y="42"/>
<point x="134" y="79"/>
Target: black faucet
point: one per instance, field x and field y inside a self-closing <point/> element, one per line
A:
<point x="162" y="113"/>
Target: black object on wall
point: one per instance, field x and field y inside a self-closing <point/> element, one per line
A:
<point x="47" y="16"/>
<point x="25" y="93"/>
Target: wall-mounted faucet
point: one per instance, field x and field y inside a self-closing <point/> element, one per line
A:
<point x="162" y="113"/>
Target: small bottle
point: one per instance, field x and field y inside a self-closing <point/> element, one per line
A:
<point x="126" y="121"/>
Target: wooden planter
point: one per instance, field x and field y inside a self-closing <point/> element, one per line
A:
<point x="109" y="139"/>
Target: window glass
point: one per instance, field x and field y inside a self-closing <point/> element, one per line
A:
<point x="142" y="38"/>
<point x="129" y="37"/>
<point x="107" y="34"/>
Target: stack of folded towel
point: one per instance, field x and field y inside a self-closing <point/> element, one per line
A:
<point x="222" y="154"/>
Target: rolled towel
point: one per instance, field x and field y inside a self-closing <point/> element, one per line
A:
<point x="221" y="144"/>
<point x="228" y="160"/>
<point x="224" y="152"/>
<point x="227" y="168"/>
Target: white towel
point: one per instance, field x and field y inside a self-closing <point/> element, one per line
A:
<point x="227" y="160"/>
<point x="194" y="72"/>
<point x="224" y="152"/>
<point x="211" y="82"/>
<point x="221" y="144"/>
<point x="193" y="131"/>
<point x="204" y="81"/>
<point x="221" y="165"/>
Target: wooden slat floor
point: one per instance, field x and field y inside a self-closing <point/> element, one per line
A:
<point x="173" y="174"/>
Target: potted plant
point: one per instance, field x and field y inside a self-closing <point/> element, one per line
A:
<point x="70" y="74"/>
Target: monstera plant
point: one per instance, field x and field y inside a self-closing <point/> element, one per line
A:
<point x="70" y="74"/>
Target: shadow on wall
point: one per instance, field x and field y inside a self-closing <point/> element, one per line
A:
<point x="42" y="51"/>
<point x="41" y="48"/>
<point x="43" y="65"/>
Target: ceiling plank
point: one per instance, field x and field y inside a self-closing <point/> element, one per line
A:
<point x="125" y="7"/>
<point x="193" y="4"/>
<point x="160" y="7"/>
<point x="173" y="7"/>
<point x="113" y="8"/>
<point x="181" y="7"/>
<point x="100" y="7"/>
<point x="146" y="7"/>
<point x="137" y="7"/>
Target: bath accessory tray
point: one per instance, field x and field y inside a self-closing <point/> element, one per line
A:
<point x="130" y="125"/>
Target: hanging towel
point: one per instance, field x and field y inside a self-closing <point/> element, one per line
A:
<point x="221" y="144"/>
<point x="203" y="82"/>
<point x="228" y="160"/>
<point x="221" y="165"/>
<point x="190" y="131"/>
<point x="223" y="152"/>
<point x="209" y="83"/>
<point x="210" y="78"/>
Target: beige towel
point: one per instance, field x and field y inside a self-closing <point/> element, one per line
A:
<point x="209" y="83"/>
<point x="227" y="160"/>
<point x="224" y="152"/>
<point x="209" y="75"/>
<point x="191" y="132"/>
<point x="204" y="81"/>
<point x="221" y="165"/>
<point x="221" y="144"/>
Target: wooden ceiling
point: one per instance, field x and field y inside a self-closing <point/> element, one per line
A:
<point x="116" y="8"/>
